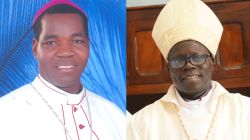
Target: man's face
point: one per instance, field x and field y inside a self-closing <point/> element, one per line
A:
<point x="62" y="50"/>
<point x="191" y="79"/>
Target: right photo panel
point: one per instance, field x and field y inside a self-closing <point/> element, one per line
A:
<point x="188" y="69"/>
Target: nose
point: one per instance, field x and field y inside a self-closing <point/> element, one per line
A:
<point x="65" y="50"/>
<point x="188" y="65"/>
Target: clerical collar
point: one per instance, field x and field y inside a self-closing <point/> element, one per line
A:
<point x="56" y="95"/>
<point x="192" y="104"/>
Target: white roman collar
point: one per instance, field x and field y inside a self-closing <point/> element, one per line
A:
<point x="55" y="95"/>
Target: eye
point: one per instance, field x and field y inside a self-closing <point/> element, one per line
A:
<point x="78" y="41"/>
<point x="49" y="43"/>
<point x="197" y="57"/>
<point x="178" y="59"/>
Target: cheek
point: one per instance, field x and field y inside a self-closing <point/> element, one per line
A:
<point x="42" y="53"/>
<point x="83" y="56"/>
<point x="208" y="71"/>
<point x="174" y="75"/>
<point x="85" y="53"/>
<point x="208" y="68"/>
<point x="44" y="57"/>
<point x="209" y="74"/>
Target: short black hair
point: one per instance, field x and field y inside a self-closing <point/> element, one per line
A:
<point x="59" y="9"/>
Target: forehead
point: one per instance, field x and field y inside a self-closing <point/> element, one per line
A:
<point x="187" y="48"/>
<point x="62" y="22"/>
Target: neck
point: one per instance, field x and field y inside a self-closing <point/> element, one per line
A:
<point x="73" y="89"/>
<point x="195" y="96"/>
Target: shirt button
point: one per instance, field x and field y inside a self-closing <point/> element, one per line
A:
<point x="75" y="109"/>
<point x="81" y="126"/>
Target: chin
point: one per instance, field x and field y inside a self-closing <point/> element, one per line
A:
<point x="67" y="81"/>
<point x="191" y="88"/>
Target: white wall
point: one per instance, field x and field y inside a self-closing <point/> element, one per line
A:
<point x="134" y="3"/>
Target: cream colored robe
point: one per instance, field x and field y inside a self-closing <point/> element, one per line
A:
<point x="159" y="121"/>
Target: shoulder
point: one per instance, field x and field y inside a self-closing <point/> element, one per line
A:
<point x="236" y="100"/>
<point x="16" y="103"/>
<point x="16" y="94"/>
<point x="141" y="123"/>
<point x="21" y="97"/>
<point x="231" y="100"/>
<point x="150" y="111"/>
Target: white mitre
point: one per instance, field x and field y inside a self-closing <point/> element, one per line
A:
<point x="183" y="20"/>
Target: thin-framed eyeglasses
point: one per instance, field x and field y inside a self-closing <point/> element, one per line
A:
<point x="180" y="62"/>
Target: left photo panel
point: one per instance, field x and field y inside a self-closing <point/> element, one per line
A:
<point x="63" y="69"/>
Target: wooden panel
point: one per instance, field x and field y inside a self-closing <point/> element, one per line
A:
<point x="148" y="57"/>
<point x="145" y="63"/>
<point x="213" y="1"/>
<point x="136" y="102"/>
<point x="233" y="59"/>
<point x="148" y="88"/>
<point x="232" y="43"/>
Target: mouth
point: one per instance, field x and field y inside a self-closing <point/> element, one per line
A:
<point x="190" y="77"/>
<point x="66" y="68"/>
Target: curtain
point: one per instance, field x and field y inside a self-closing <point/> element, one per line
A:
<point x="105" y="73"/>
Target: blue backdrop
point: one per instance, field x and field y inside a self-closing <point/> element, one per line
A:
<point x="105" y="73"/>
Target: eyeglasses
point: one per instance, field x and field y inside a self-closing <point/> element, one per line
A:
<point x="180" y="62"/>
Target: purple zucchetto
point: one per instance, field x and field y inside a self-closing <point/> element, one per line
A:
<point x="53" y="3"/>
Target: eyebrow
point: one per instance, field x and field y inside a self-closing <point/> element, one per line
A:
<point x="79" y="34"/>
<point x="74" y="35"/>
<point x="50" y="37"/>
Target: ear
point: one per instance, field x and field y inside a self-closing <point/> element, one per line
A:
<point x="34" y="47"/>
<point x="213" y="63"/>
<point x="167" y="66"/>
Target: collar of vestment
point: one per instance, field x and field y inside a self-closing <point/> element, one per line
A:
<point x="203" y="102"/>
<point x="55" y="95"/>
<point x="216" y="91"/>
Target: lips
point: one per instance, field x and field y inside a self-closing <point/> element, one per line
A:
<point x="66" y="68"/>
<point x="190" y="76"/>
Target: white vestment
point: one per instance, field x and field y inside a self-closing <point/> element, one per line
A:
<point x="160" y="120"/>
<point x="41" y="111"/>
